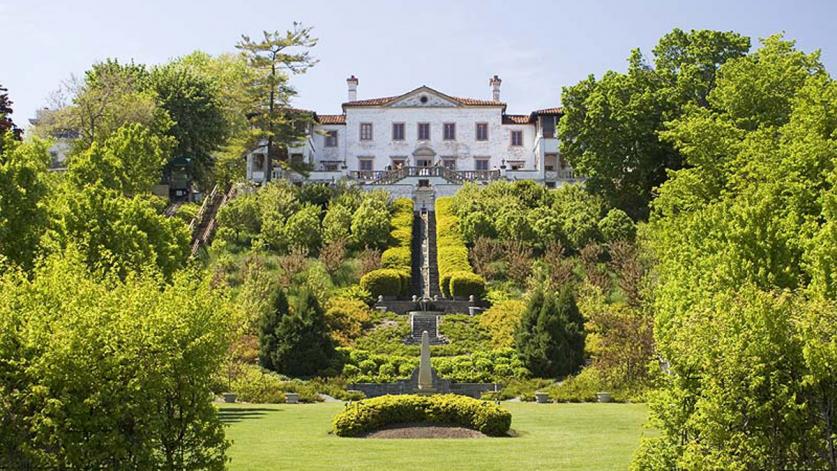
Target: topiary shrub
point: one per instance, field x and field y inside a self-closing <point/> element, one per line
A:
<point x="382" y="282"/>
<point x="396" y="257"/>
<point x="444" y="409"/>
<point x="465" y="283"/>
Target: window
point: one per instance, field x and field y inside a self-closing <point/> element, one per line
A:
<point x="548" y="126"/>
<point x="258" y="161"/>
<point x="365" y="164"/>
<point x="330" y="166"/>
<point x="517" y="138"/>
<point x="424" y="131"/>
<point x="449" y="163"/>
<point x="481" y="163"/>
<point x="516" y="165"/>
<point x="297" y="159"/>
<point x="450" y="131"/>
<point x="482" y="131"/>
<point x="397" y="131"/>
<point x="365" y="131"/>
<point x="331" y="139"/>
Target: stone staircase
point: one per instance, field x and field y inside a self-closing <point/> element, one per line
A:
<point x="425" y="321"/>
<point x="433" y="278"/>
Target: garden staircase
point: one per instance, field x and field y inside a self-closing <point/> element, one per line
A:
<point x="204" y="224"/>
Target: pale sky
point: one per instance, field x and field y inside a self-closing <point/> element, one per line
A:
<point x="536" y="47"/>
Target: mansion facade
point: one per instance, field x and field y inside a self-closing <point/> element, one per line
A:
<point x="425" y="137"/>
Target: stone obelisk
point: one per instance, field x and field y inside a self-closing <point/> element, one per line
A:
<point x="425" y="376"/>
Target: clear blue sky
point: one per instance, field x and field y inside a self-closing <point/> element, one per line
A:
<point x="536" y="47"/>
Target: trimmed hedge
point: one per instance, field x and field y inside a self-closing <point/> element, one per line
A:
<point x="452" y="254"/>
<point x="382" y="282"/>
<point x="386" y="282"/>
<point x="444" y="409"/>
<point x="396" y="257"/>
<point x="466" y="283"/>
<point x="399" y="257"/>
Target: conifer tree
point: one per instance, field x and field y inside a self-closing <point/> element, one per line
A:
<point x="550" y="337"/>
<point x="268" y="330"/>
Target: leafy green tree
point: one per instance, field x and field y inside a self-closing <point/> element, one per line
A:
<point x="304" y="346"/>
<point x="269" y="339"/>
<point x="302" y="229"/>
<point x="118" y="234"/>
<point x="370" y="224"/>
<point x="609" y="131"/>
<point x="744" y="243"/>
<point x="130" y="160"/>
<point x="110" y="96"/>
<point x="550" y="337"/>
<point x="100" y="373"/>
<point x="23" y="190"/>
<point x="617" y="225"/>
<point x="276" y="55"/>
<point x="477" y="224"/>
<point x="193" y="103"/>
<point x="337" y="223"/>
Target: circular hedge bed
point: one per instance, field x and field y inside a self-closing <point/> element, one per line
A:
<point x="370" y="415"/>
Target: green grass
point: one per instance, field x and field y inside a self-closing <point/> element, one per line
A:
<point x="550" y="436"/>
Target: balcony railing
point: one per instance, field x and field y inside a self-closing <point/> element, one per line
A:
<point x="386" y="177"/>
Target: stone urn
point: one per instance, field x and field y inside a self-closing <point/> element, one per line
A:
<point x="229" y="396"/>
<point x="541" y="397"/>
<point x="292" y="398"/>
<point x="603" y="396"/>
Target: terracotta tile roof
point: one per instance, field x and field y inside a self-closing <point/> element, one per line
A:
<point x="383" y="101"/>
<point x="331" y="118"/>
<point x="557" y="110"/>
<point x="517" y="119"/>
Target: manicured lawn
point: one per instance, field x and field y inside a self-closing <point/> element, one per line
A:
<point x="550" y="436"/>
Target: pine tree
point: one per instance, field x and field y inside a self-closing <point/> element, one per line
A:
<point x="268" y="330"/>
<point x="550" y="337"/>
<point x="6" y="123"/>
<point x="303" y="345"/>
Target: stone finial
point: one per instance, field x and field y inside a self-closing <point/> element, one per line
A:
<point x="352" y="82"/>
<point x="495" y="87"/>
<point x="380" y="298"/>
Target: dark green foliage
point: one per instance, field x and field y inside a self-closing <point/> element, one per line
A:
<point x="477" y="224"/>
<point x="318" y="194"/>
<point x="551" y="335"/>
<point x="303" y="345"/>
<point x="269" y="330"/>
<point x="610" y="129"/>
<point x="192" y="101"/>
<point x="6" y="123"/>
<point x="442" y="409"/>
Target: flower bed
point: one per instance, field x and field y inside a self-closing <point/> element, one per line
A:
<point x="443" y="409"/>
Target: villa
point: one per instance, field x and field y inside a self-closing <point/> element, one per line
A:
<point x="425" y="138"/>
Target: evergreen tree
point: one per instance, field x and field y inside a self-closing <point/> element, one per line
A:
<point x="268" y="330"/>
<point x="6" y="122"/>
<point x="550" y="337"/>
<point x="302" y="346"/>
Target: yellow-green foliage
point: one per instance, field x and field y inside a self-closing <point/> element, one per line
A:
<point x="501" y="320"/>
<point x="444" y="409"/>
<point x="399" y="255"/>
<point x="346" y="319"/>
<point x="452" y="255"/>
<point x="396" y="257"/>
<point x="466" y="283"/>
<point x="256" y="385"/>
<point x="386" y="282"/>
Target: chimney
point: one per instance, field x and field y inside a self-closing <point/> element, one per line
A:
<point x="352" y="82"/>
<point x="495" y="87"/>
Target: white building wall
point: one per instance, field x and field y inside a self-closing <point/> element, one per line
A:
<point x="465" y="147"/>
